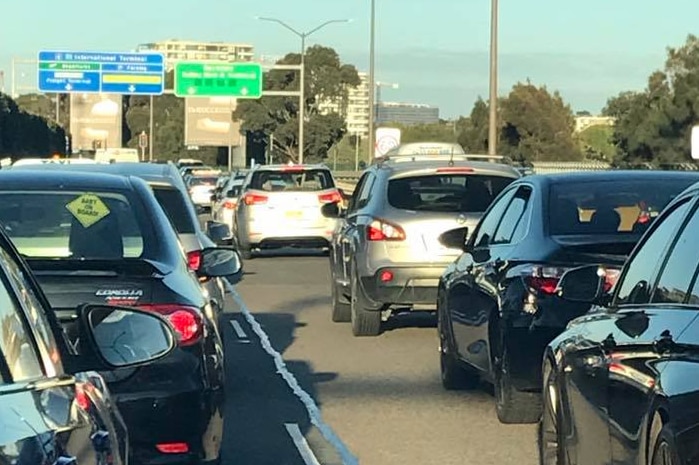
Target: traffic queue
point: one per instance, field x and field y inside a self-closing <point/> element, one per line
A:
<point x="110" y="350"/>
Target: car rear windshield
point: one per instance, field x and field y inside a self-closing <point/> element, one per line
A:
<point x="81" y="225"/>
<point x="292" y="180"/>
<point x="175" y="207"/>
<point x="203" y="181"/>
<point x="446" y="193"/>
<point x="609" y="207"/>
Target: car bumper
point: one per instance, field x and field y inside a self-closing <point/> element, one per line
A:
<point x="285" y="235"/>
<point x="408" y="285"/>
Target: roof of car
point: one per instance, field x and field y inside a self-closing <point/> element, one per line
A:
<point x="420" y="165"/>
<point x="609" y="175"/>
<point x="290" y="167"/>
<point x="52" y="179"/>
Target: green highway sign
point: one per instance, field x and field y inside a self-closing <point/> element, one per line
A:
<point x="201" y="79"/>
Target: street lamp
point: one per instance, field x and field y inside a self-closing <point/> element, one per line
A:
<point x="372" y="81"/>
<point x="493" y="117"/>
<point x="302" y="97"/>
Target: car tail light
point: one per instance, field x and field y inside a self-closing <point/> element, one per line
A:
<point x="81" y="397"/>
<point x="186" y="321"/>
<point x="332" y="197"/>
<point x="255" y="199"/>
<point x="381" y="230"/>
<point x="230" y="204"/>
<point x="194" y="260"/>
<point x="610" y="278"/>
<point x="543" y="280"/>
<point x="386" y="276"/>
<point x="455" y="170"/>
<point x="172" y="447"/>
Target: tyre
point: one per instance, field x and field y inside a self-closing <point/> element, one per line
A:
<point x="548" y="431"/>
<point x="453" y="374"/>
<point x="513" y="406"/>
<point x="365" y="320"/>
<point x="341" y="310"/>
<point x="662" y="450"/>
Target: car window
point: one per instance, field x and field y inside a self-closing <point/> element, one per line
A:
<point x="174" y="204"/>
<point x="676" y="277"/>
<point x="609" y="207"/>
<point x="445" y="192"/>
<point x="61" y="224"/>
<point x="634" y="286"/>
<point x="15" y="341"/>
<point x="366" y="190"/>
<point x="488" y="224"/>
<point x="46" y="342"/>
<point x="292" y="179"/>
<point x="358" y="188"/>
<point x="513" y="224"/>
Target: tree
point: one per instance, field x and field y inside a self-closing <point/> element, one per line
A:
<point x="23" y="134"/>
<point x="327" y="82"/>
<point x="474" y="136"/>
<point x="442" y="131"/>
<point x="596" y="143"/>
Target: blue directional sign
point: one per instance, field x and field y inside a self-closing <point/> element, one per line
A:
<point x="116" y="73"/>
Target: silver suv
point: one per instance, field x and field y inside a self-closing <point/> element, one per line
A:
<point x="279" y="206"/>
<point x="386" y="253"/>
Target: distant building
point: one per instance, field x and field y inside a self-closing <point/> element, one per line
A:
<point x="183" y="50"/>
<point x="357" y="112"/>
<point x="406" y="113"/>
<point x="584" y="122"/>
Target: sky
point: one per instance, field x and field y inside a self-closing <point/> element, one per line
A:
<point x="435" y="50"/>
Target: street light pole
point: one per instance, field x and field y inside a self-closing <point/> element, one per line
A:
<point x="372" y="80"/>
<point x="493" y="117"/>
<point x="302" y="91"/>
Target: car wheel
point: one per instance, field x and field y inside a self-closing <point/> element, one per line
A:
<point x="548" y="432"/>
<point x="453" y="374"/>
<point x="663" y="450"/>
<point x="246" y="254"/>
<point x="365" y="321"/>
<point x="512" y="405"/>
<point x="341" y="311"/>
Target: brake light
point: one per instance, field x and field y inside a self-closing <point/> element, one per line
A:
<point x="332" y="197"/>
<point x="380" y="230"/>
<point x="386" y="276"/>
<point x="255" y="199"/>
<point x="172" y="447"/>
<point x="543" y="280"/>
<point x="81" y="397"/>
<point x="454" y="169"/>
<point x="194" y="260"/>
<point x="186" y="321"/>
<point x="230" y="204"/>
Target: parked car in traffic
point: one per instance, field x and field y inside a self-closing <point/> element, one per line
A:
<point x="104" y="239"/>
<point x="497" y="304"/>
<point x="224" y="205"/>
<point x="621" y="383"/>
<point x="280" y="207"/>
<point x="52" y="408"/>
<point x="386" y="255"/>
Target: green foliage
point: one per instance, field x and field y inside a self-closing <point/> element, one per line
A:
<point x="596" y="143"/>
<point x="23" y="134"/>
<point x="326" y="80"/>
<point x="442" y="131"/>
<point x="474" y="135"/>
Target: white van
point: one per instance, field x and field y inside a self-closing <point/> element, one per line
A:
<point x="117" y="155"/>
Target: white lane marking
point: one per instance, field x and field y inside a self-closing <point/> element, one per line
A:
<point x="311" y="407"/>
<point x="302" y="446"/>
<point x="238" y="330"/>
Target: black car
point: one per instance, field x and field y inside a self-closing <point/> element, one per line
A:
<point x="51" y="409"/>
<point x="99" y="238"/>
<point x="497" y="307"/>
<point x="621" y="384"/>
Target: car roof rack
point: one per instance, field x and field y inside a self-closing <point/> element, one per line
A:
<point x="436" y="151"/>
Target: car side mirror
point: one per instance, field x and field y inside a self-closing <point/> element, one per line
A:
<point x="218" y="232"/>
<point x="221" y="262"/>
<point x="585" y="284"/>
<point x="117" y="337"/>
<point x="455" y="239"/>
<point x="331" y="210"/>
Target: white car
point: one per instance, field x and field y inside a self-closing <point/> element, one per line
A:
<point x="201" y="187"/>
<point x="223" y="209"/>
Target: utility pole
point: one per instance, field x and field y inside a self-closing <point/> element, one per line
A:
<point x="356" y="152"/>
<point x="493" y="117"/>
<point x="150" y="130"/>
<point x="372" y="81"/>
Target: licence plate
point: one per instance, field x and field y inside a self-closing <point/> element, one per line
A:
<point x="294" y="214"/>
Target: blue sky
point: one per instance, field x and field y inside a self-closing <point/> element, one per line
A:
<point x="436" y="50"/>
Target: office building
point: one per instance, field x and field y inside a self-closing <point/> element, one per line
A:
<point x="356" y="113"/>
<point x="182" y="50"/>
<point x="407" y="114"/>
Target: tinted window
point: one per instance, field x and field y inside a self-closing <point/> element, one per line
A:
<point x="513" y="224"/>
<point x="71" y="224"/>
<point x="635" y="285"/>
<point x="15" y="341"/>
<point x="175" y="206"/>
<point x="609" y="207"/>
<point x="446" y="193"/>
<point x="680" y="267"/>
<point x="487" y="225"/>
<point x="292" y="180"/>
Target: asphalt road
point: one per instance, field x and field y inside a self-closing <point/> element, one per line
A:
<point x="381" y="397"/>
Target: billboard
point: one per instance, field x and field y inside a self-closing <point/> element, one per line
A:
<point x="209" y="122"/>
<point x="95" y="121"/>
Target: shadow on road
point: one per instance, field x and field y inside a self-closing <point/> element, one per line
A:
<point x="421" y="319"/>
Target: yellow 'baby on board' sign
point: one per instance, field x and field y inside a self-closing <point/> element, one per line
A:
<point x="88" y="209"/>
